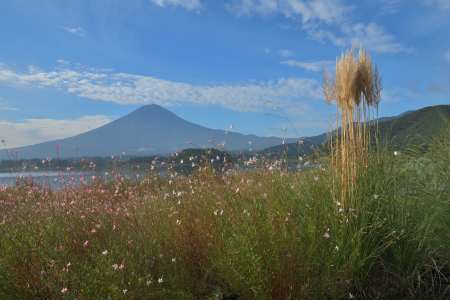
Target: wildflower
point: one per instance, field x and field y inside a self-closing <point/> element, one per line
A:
<point x="105" y="252"/>
<point x="376" y="196"/>
<point x="124" y="291"/>
<point x="86" y="243"/>
<point x="396" y="153"/>
<point x="148" y="282"/>
<point x="64" y="290"/>
<point x="178" y="222"/>
<point x="174" y="259"/>
<point x="160" y="280"/>
<point x="316" y="178"/>
<point x="350" y="296"/>
<point x="121" y="266"/>
<point x="326" y="235"/>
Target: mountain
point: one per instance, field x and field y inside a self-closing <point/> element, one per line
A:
<point x="411" y="128"/>
<point x="304" y="146"/>
<point x="415" y="128"/>
<point x="149" y="130"/>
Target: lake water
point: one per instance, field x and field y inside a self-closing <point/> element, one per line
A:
<point x="58" y="180"/>
<point x="49" y="179"/>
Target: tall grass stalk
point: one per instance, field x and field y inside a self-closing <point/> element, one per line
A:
<point x="356" y="89"/>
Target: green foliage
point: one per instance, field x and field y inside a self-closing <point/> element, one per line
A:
<point x="252" y="235"/>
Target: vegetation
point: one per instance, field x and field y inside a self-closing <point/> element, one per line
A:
<point x="254" y="235"/>
<point x="356" y="89"/>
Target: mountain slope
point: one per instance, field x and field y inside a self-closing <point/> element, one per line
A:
<point x="415" y="127"/>
<point x="149" y="130"/>
<point x="412" y="128"/>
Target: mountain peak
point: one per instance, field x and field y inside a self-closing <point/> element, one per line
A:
<point x="151" y="107"/>
<point x="153" y="111"/>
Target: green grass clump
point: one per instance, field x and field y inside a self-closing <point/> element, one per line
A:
<point x="253" y="235"/>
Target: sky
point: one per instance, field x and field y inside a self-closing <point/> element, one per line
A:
<point x="256" y="65"/>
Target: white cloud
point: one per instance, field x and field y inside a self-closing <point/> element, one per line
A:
<point x="4" y="106"/>
<point x="252" y="7"/>
<point x="33" y="131"/>
<point x="389" y="6"/>
<point x="285" y="53"/>
<point x="75" y="31"/>
<point x="186" y="4"/>
<point x="447" y="56"/>
<point x="313" y="66"/>
<point x="323" y="20"/>
<point x="440" y="4"/>
<point x="328" y="11"/>
<point x="124" y="88"/>
<point x="373" y="37"/>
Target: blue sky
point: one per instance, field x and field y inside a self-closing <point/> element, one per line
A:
<point x="70" y="66"/>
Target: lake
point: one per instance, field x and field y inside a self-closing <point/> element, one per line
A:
<point x="52" y="179"/>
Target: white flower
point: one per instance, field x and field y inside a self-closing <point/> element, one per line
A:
<point x="376" y="196"/>
<point x="124" y="291"/>
<point x="105" y="252"/>
<point x="326" y="235"/>
<point x="64" y="290"/>
<point x="160" y="280"/>
<point x="148" y="282"/>
<point x="396" y="153"/>
<point x="115" y="267"/>
<point x="174" y="259"/>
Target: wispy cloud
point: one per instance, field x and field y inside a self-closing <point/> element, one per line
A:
<point x="323" y="20"/>
<point x="389" y="6"/>
<point x="4" y="106"/>
<point x="373" y="37"/>
<point x="313" y="66"/>
<point x="125" y="88"/>
<point x="33" y="131"/>
<point x="186" y="4"/>
<point x="78" y="31"/>
<point x="440" y="4"/>
<point x="285" y="53"/>
<point x="447" y="56"/>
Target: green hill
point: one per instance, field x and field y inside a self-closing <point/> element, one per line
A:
<point x="411" y="129"/>
<point x="416" y="128"/>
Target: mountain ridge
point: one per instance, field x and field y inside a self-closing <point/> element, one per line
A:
<point x="149" y="130"/>
<point x="154" y="130"/>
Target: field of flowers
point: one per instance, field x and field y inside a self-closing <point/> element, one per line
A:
<point x="264" y="234"/>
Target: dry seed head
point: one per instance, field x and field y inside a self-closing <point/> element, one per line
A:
<point x="356" y="80"/>
<point x="346" y="75"/>
<point x="328" y="87"/>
